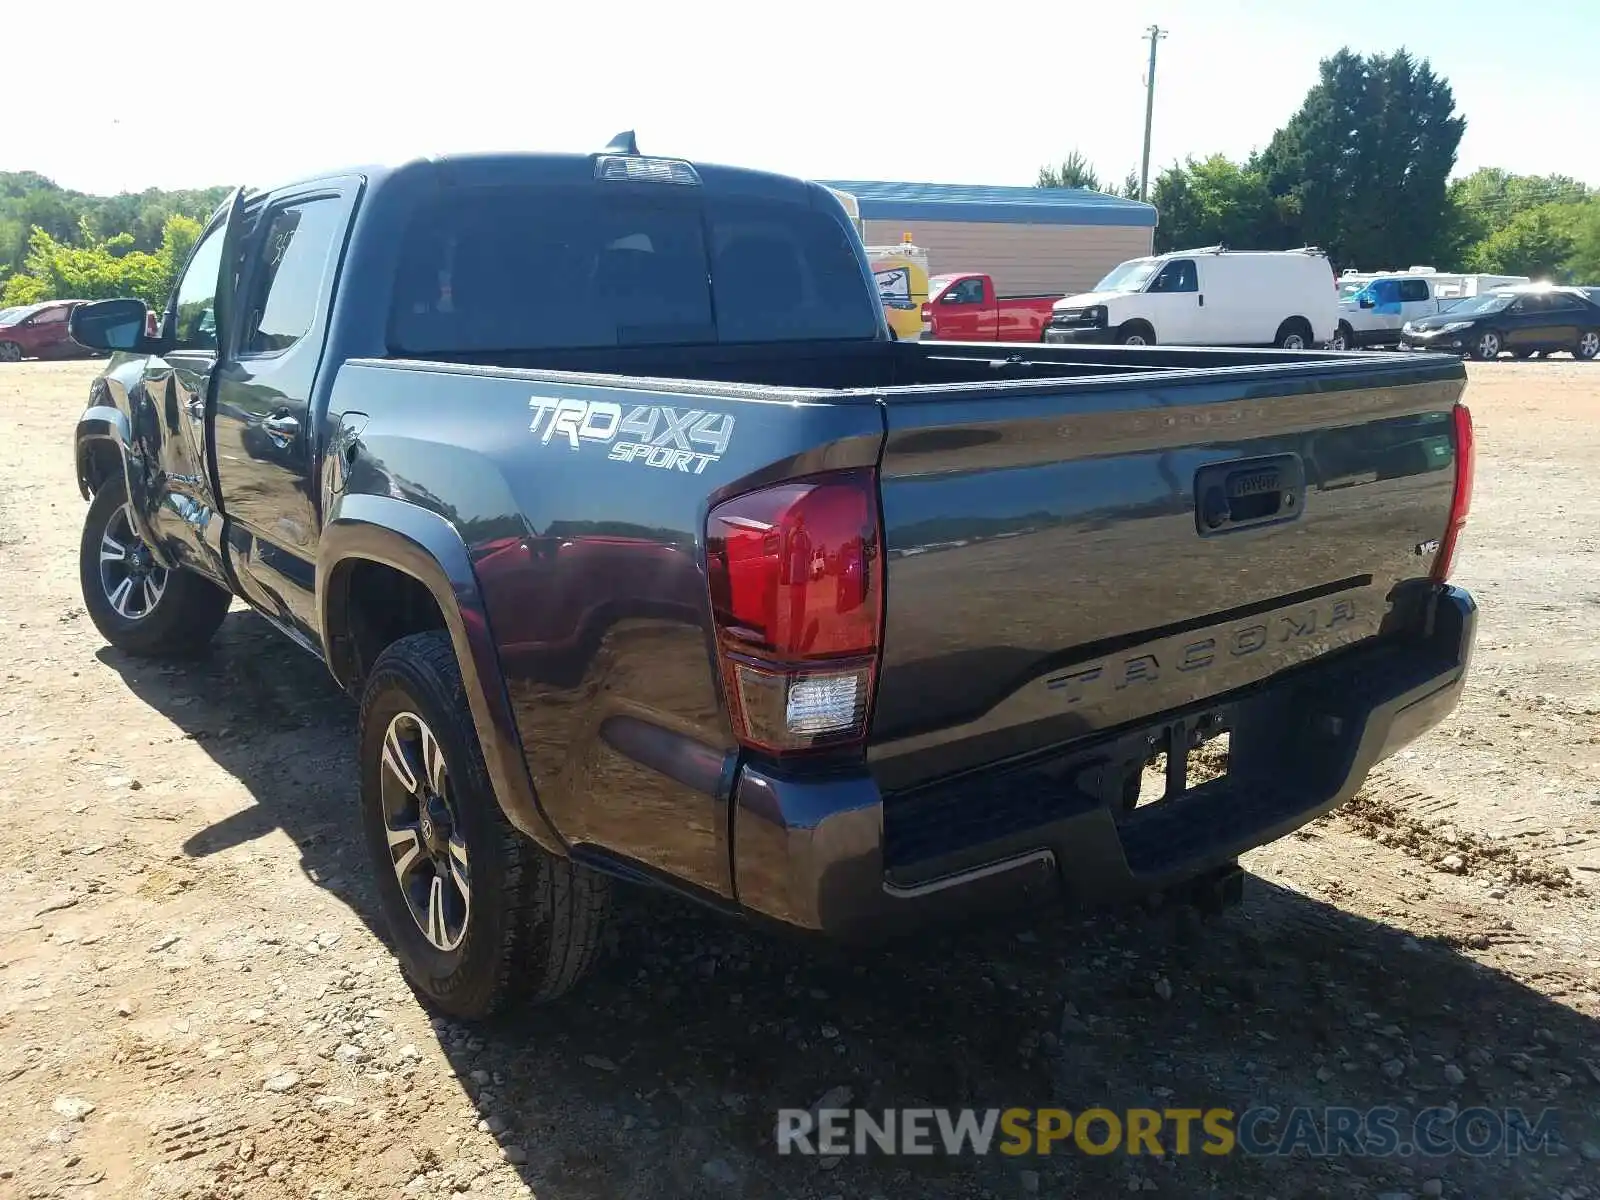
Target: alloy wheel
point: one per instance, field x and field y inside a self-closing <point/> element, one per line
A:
<point x="1294" y="341"/>
<point x="1489" y="346"/>
<point x="1589" y="345"/>
<point x="10" y="352"/>
<point x="131" y="578"/>
<point x="426" y="846"/>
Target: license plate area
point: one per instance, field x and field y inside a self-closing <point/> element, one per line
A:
<point x="1180" y="758"/>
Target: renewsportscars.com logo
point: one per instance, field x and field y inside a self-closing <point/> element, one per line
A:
<point x="652" y="434"/>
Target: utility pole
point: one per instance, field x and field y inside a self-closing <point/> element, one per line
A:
<point x="1155" y="33"/>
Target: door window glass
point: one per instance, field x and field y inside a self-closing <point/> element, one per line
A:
<point x="1560" y="302"/>
<point x="291" y="259"/>
<point x="1177" y="276"/>
<point x="52" y="316"/>
<point x="196" y="300"/>
<point x="1413" y="289"/>
<point x="968" y="291"/>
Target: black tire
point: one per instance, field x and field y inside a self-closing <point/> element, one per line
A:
<point x="1294" y="334"/>
<point x="1136" y="333"/>
<point x="541" y="932"/>
<point x="1344" y="338"/>
<point x="178" y="623"/>
<point x="10" y="352"/>
<point x="1486" y="345"/>
<point x="1588" y="346"/>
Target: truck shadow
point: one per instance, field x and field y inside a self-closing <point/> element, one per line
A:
<point x="663" y="1075"/>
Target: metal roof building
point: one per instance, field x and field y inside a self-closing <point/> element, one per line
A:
<point x="1033" y="241"/>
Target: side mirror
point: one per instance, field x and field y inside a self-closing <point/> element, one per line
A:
<point x="1368" y="302"/>
<point x="110" y="325"/>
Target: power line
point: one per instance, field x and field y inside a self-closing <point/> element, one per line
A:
<point x="1155" y="33"/>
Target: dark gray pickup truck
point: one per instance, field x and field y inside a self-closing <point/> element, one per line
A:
<point x="650" y="556"/>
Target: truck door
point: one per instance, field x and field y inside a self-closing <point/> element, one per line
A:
<point x="170" y="488"/>
<point x="966" y="311"/>
<point x="263" y="428"/>
<point x="1173" y="304"/>
<point x="1416" y="301"/>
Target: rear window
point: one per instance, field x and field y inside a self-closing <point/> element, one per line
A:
<point x="508" y="269"/>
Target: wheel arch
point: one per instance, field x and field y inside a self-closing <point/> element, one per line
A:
<point x="101" y="447"/>
<point x="368" y="533"/>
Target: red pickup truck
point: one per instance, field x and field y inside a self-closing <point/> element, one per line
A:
<point x="964" y="308"/>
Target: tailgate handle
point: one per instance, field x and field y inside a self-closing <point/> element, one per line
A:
<point x="1248" y="493"/>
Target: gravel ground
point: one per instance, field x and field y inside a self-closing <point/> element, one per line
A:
<point x="195" y="999"/>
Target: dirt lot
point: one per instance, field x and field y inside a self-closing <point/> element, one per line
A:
<point x="194" y="1000"/>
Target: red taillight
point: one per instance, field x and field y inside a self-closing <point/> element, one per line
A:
<point x="797" y="596"/>
<point x="1460" y="500"/>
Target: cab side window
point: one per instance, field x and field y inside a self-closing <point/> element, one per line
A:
<point x="195" y="301"/>
<point x="1177" y="276"/>
<point x="968" y="291"/>
<point x="292" y="256"/>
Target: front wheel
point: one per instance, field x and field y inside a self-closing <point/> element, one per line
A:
<point x="478" y="914"/>
<point x="139" y="606"/>
<point x="1343" y="338"/>
<point x="1136" y="333"/>
<point x="10" y="352"/>
<point x="1486" y="346"/>
<point x="1588" y="347"/>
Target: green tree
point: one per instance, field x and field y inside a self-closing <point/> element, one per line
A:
<point x="1215" y="200"/>
<point x="1074" y="171"/>
<point x="1539" y="242"/>
<point x="101" y="269"/>
<point x="1365" y="161"/>
<point x="1584" y="265"/>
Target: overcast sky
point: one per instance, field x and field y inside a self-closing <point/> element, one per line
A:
<point x="970" y="93"/>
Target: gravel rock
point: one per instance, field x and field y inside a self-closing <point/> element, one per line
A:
<point x="127" y="1006"/>
<point x="1163" y="987"/>
<point x="73" y="1108"/>
<point x="163" y="942"/>
<point x="283" y="1081"/>
<point x="480" y="1077"/>
<point x="1433" y="1187"/>
<point x="1454" y="1075"/>
<point x="1393" y="1068"/>
<point x="1453" y="863"/>
<point x="600" y="1064"/>
<point x="350" y="1053"/>
<point x="1589" y="1151"/>
<point x="1030" y="1182"/>
<point x="515" y="1155"/>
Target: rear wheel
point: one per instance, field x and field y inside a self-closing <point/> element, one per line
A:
<point x="139" y="606"/>
<point x="478" y="914"/>
<point x="1136" y="333"/>
<point x="1588" y="347"/>
<point x="1294" y="334"/>
<point x="10" y="352"/>
<point x="1486" y="346"/>
<point x="1344" y="338"/>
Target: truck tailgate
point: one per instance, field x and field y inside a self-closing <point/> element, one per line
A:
<point x="1065" y="559"/>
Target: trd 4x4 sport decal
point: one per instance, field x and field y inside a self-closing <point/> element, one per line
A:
<point x="651" y="434"/>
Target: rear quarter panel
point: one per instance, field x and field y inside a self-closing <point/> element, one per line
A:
<point x="591" y="563"/>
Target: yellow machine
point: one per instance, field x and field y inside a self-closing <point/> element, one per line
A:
<point x="902" y="275"/>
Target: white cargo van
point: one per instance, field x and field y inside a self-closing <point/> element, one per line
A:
<point x="1209" y="297"/>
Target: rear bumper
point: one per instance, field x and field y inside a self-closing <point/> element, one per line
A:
<point x="838" y="857"/>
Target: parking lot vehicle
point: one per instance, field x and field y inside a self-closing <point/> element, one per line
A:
<point x="1207" y="297"/>
<point x="38" y="331"/>
<point x="902" y="275"/>
<point x="1527" y="320"/>
<point x="967" y="308"/>
<point x="1373" y="314"/>
<point x="645" y="569"/>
